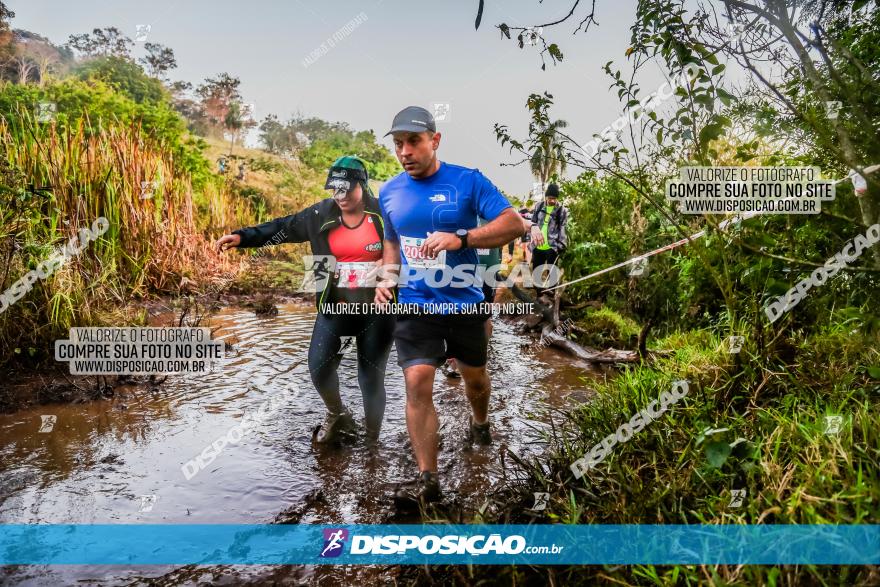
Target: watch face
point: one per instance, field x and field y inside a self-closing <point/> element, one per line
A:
<point x="461" y="232"/>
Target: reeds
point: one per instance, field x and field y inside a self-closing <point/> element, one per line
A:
<point x="120" y="172"/>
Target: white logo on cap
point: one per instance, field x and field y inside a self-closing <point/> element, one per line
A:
<point x="419" y="122"/>
<point x="339" y="174"/>
<point x="339" y="184"/>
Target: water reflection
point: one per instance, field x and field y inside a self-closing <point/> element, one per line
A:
<point x="103" y="457"/>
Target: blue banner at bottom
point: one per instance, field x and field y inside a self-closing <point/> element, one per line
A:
<point x="223" y="544"/>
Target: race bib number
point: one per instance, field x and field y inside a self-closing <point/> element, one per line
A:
<point x="352" y="275"/>
<point x="411" y="248"/>
<point x="482" y="251"/>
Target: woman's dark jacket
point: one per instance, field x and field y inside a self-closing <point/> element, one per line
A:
<point x="312" y="224"/>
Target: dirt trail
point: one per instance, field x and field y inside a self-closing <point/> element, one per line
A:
<point x="119" y="460"/>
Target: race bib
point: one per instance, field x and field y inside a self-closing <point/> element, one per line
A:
<point x="411" y="248"/>
<point x="351" y="275"/>
<point x="482" y="251"/>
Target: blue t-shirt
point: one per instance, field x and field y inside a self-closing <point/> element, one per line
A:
<point x="450" y="199"/>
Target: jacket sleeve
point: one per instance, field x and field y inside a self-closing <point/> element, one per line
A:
<point x="534" y="219"/>
<point x="289" y="229"/>
<point x="563" y="222"/>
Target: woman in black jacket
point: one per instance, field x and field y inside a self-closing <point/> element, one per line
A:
<point x="349" y="228"/>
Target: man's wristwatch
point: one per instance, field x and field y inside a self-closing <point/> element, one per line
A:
<point x="462" y="234"/>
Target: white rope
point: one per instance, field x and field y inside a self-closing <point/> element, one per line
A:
<point x="721" y="226"/>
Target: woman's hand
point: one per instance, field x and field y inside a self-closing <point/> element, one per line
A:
<point x="384" y="292"/>
<point x="227" y="241"/>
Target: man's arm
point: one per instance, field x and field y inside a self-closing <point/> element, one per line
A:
<point x="506" y="227"/>
<point x="526" y="225"/>
<point x="488" y="202"/>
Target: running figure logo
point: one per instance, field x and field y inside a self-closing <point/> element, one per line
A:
<point x="318" y="271"/>
<point x="334" y="541"/>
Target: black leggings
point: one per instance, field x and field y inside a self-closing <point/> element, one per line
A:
<point x="374" y="334"/>
<point x="541" y="257"/>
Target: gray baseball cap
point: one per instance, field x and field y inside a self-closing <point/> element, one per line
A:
<point x="413" y="119"/>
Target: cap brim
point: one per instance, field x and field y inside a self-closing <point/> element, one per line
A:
<point x="409" y="128"/>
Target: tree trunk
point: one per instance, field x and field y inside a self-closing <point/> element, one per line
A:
<point x="24" y="72"/>
<point x="871" y="214"/>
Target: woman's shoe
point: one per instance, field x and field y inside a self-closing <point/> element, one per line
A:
<point x="334" y="426"/>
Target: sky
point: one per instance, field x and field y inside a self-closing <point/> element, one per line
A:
<point x="397" y="54"/>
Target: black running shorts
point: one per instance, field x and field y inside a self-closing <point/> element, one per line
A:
<point x="430" y="340"/>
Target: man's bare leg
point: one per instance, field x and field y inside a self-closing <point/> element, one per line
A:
<point x="477" y="389"/>
<point x="421" y="416"/>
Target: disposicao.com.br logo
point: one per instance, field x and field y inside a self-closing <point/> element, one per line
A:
<point x="334" y="542"/>
<point x="437" y="545"/>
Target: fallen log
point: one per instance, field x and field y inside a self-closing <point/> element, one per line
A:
<point x="554" y="339"/>
<point x="547" y="319"/>
<point x="545" y="313"/>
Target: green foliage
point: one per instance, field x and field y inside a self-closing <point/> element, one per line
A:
<point x="102" y="105"/>
<point x="319" y="143"/>
<point x="753" y="420"/>
<point x="102" y="42"/>
<point x="92" y="159"/>
<point x="747" y="423"/>
<point x="608" y="224"/>
<point x="599" y="215"/>
<point x="124" y="76"/>
<point x="548" y="157"/>
<point x="323" y="151"/>
<point x="159" y="59"/>
<point x="605" y="328"/>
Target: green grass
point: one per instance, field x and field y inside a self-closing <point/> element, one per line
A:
<point x="604" y="327"/>
<point x="748" y="423"/>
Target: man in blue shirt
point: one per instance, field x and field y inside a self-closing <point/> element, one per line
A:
<point x="430" y="213"/>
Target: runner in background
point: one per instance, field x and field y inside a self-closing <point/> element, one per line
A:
<point x="349" y="227"/>
<point x="489" y="258"/>
<point x="525" y="241"/>
<point x="548" y="230"/>
<point x="511" y="246"/>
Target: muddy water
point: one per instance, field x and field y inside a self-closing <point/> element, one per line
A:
<point x="120" y="460"/>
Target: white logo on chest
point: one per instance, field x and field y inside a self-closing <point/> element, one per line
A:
<point x="438" y="198"/>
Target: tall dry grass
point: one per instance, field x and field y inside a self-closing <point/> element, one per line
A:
<point x="88" y="171"/>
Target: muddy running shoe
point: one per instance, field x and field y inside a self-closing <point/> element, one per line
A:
<point x="371" y="437"/>
<point x="478" y="433"/>
<point x="450" y="371"/>
<point x="425" y="489"/>
<point x="334" y="426"/>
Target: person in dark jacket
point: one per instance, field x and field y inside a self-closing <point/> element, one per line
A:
<point x="349" y="228"/>
<point x="548" y="236"/>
